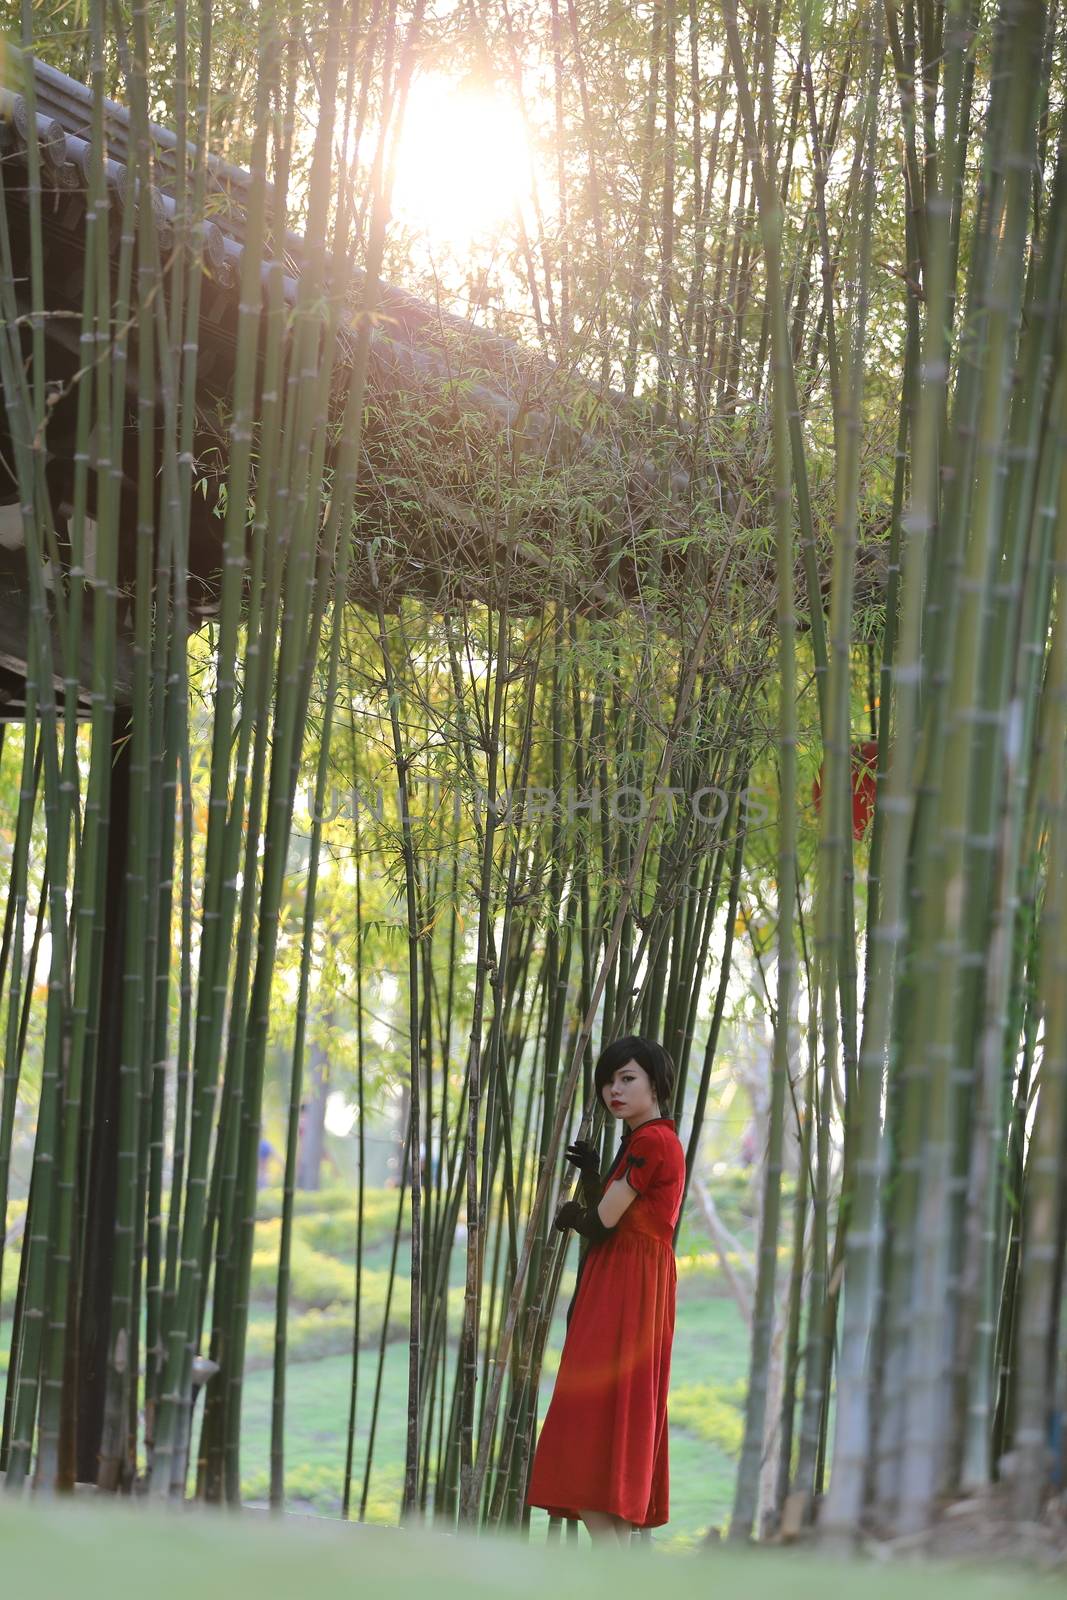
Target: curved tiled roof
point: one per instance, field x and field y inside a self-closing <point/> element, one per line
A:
<point x="410" y="333"/>
<point x="415" y="345"/>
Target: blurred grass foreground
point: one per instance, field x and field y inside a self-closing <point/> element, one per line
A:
<point x="101" y="1550"/>
<point x="707" y="1380"/>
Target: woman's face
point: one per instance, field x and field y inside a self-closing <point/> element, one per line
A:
<point x="630" y="1094"/>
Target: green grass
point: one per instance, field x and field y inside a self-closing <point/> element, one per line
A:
<point x="708" y="1369"/>
<point x="97" y="1551"/>
<point x="707" y="1389"/>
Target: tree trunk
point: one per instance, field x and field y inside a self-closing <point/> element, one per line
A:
<point x="101" y="1155"/>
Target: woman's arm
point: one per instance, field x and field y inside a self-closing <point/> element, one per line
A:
<point x="617" y="1199"/>
<point x="596" y="1223"/>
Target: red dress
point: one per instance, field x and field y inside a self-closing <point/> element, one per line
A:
<point x="603" y="1444"/>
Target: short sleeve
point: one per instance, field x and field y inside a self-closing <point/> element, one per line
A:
<point x="642" y="1161"/>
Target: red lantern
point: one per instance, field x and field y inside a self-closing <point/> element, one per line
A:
<point x="864" y="785"/>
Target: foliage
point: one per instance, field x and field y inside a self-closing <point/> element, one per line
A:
<point x="711" y="1412"/>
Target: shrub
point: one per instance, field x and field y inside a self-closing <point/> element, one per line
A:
<point x="311" y="1334"/>
<point x="315" y="1279"/>
<point x="711" y="1411"/>
<point x="336" y="1198"/>
<point x="335" y="1231"/>
<point x="704" y="1267"/>
<point x="319" y="1486"/>
<point x="699" y="1267"/>
<point x="326" y="1218"/>
<point x="327" y="1331"/>
<point x="379" y="1205"/>
<point x="322" y="1487"/>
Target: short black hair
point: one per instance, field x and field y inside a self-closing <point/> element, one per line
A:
<point x="648" y="1054"/>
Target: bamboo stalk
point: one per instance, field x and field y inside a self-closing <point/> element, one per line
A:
<point x="744" y="1509"/>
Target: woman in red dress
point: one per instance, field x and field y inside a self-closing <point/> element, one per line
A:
<point x="602" y="1453"/>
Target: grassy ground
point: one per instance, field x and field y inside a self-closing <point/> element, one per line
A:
<point x="707" y="1379"/>
<point x="99" y="1551"/>
<point x="710" y="1353"/>
<point x="708" y="1370"/>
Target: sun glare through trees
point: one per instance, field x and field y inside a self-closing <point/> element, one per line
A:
<point x="462" y="164"/>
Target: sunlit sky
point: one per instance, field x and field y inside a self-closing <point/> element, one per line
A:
<point x="463" y="162"/>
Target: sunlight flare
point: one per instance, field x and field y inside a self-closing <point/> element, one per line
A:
<point x="463" y="161"/>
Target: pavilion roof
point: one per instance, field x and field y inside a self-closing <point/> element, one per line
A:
<point x="429" y="372"/>
<point x="419" y="354"/>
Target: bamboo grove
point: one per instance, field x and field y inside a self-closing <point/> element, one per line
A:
<point x="763" y="458"/>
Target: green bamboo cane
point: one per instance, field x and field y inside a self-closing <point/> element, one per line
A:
<point x="277" y="1438"/>
<point x="863" y="1245"/>
<point x="9" y="904"/>
<point x="999" y="800"/>
<point x="905" y="432"/>
<point x="567" y="1088"/>
<point x="25" y="421"/>
<point x="696" y="1127"/>
<point x="1042" y="1232"/>
<point x="169" y="1452"/>
<point x="169" y="700"/>
<point x="299" y="638"/>
<point x="158" y="962"/>
<point x="1002" y="1420"/>
<point x="251" y="741"/>
<point x="520" y="1415"/>
<point x="168" y="726"/>
<point x="118" y="1450"/>
<point x="744" y="1509"/>
<point x="834" y="923"/>
<point x="501" y="1097"/>
<point x="1024" y="1007"/>
<point x="923" y="1461"/>
<point x="11" y="1388"/>
<point x="390" y="1282"/>
<point x="429" y="1205"/>
<point x="140" y="981"/>
<point x="178" y="386"/>
<point x="939" y="630"/>
<point x="261" y="630"/>
<point x="17" y="892"/>
<point x="178" y="379"/>
<point x="471" y="1300"/>
<point x="791" y="1357"/>
<point x="346" y="1497"/>
<point x="983" y="1263"/>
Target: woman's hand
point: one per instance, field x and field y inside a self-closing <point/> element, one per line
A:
<point x="569" y="1215"/>
<point x="596" y="1222"/>
<point x="587" y="1222"/>
<point x="582" y="1155"/>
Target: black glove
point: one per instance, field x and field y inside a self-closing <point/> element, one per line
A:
<point x="583" y="1221"/>
<point x="583" y="1155"/>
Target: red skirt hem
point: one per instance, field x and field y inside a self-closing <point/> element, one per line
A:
<point x="571" y="1514"/>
